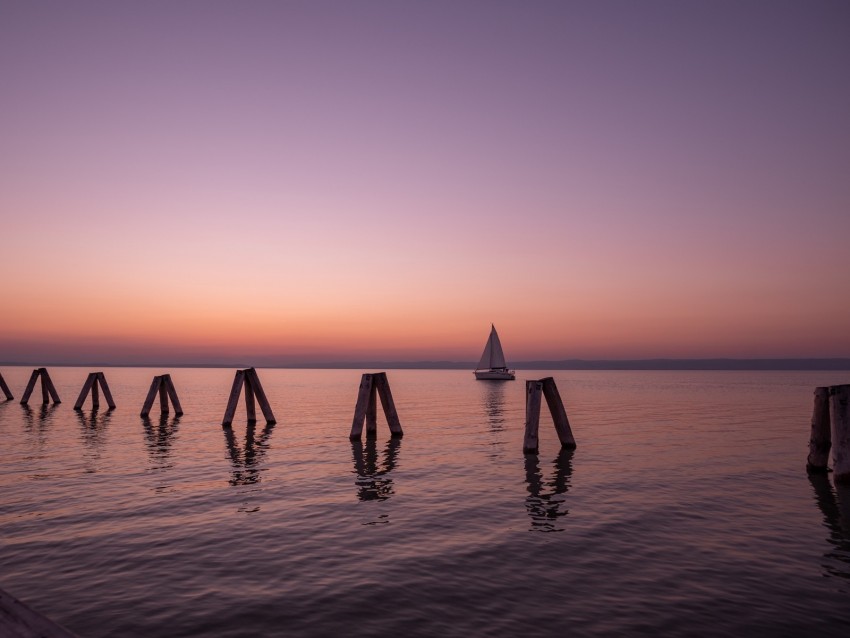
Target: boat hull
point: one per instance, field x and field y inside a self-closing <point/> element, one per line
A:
<point x="495" y="375"/>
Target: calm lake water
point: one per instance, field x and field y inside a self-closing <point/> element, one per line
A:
<point x="685" y="510"/>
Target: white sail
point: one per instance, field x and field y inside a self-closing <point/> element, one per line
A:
<point x="492" y="357"/>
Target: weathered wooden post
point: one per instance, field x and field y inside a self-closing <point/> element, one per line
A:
<point x="533" y="391"/>
<point x="820" y="440"/>
<point x="5" y="389"/>
<point x="372" y="413"/>
<point x="559" y="413"/>
<point x="256" y="389"/>
<point x="233" y="401"/>
<point x="165" y="387"/>
<point x="364" y="396"/>
<point x="372" y="384"/>
<point x="48" y="390"/>
<point x="253" y="390"/>
<point x="90" y="385"/>
<point x="839" y="412"/>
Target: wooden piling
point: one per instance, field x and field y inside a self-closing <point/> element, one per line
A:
<point x="30" y="387"/>
<point x="164" y="386"/>
<point x="233" y="401"/>
<point x="148" y="404"/>
<point x="250" y="408"/>
<point x="820" y="440"/>
<point x="163" y="398"/>
<point x="172" y="394"/>
<point x="361" y="407"/>
<point x="106" y="393"/>
<point x="51" y="389"/>
<point x="388" y="404"/>
<point x="91" y="385"/>
<point x="5" y="389"/>
<point x="48" y="390"/>
<point x="372" y="386"/>
<point x="253" y="378"/>
<point x="839" y="413"/>
<point x="253" y="390"/>
<point x="533" y="391"/>
<point x="87" y="386"/>
<point x="559" y="413"/>
<point x="372" y="413"/>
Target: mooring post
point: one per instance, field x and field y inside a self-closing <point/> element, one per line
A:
<point x="372" y="413"/>
<point x="235" y="391"/>
<point x="48" y="390"/>
<point x="92" y="381"/>
<point x="101" y="378"/>
<point x="821" y="438"/>
<point x="163" y="385"/>
<point x="95" y="395"/>
<point x="172" y="394"/>
<point x="839" y="412"/>
<point x="253" y="390"/>
<point x="87" y="386"/>
<point x="30" y="387"/>
<point x="5" y="389"/>
<point x="372" y="384"/>
<point x="163" y="398"/>
<point x="559" y="413"/>
<point x="250" y="408"/>
<point x="361" y="407"/>
<point x="260" y="394"/>
<point x="148" y="404"/>
<point x="533" y="390"/>
<point x="383" y="386"/>
<point x="51" y="389"/>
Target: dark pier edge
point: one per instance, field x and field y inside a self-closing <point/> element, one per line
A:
<point x="17" y="620"/>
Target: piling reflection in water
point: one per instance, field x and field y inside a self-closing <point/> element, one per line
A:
<point x="247" y="458"/>
<point x="93" y="430"/>
<point x="544" y="502"/>
<point x="159" y="439"/>
<point x="37" y="424"/>
<point x="374" y="483"/>
<point x="41" y="415"/>
<point x="834" y="504"/>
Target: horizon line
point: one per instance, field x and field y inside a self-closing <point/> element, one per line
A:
<point x="657" y="363"/>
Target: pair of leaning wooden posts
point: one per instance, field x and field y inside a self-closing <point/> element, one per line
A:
<point x="533" y="392"/>
<point x="371" y="385"/>
<point x="831" y="430"/>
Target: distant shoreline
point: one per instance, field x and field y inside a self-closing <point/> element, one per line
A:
<point x="810" y="364"/>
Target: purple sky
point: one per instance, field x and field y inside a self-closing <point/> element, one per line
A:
<point x="333" y="180"/>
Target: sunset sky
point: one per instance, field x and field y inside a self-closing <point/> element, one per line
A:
<point x="332" y="181"/>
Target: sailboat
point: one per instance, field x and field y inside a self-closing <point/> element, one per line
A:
<point x="492" y="365"/>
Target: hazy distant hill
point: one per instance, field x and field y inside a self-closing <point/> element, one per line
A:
<point x="624" y="364"/>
